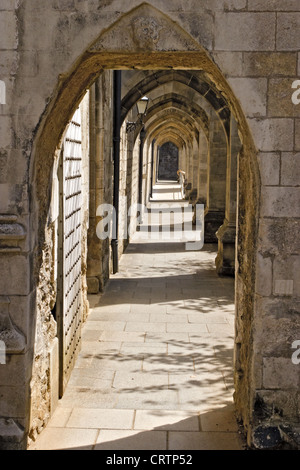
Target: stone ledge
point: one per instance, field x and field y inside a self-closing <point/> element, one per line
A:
<point x="10" y="234"/>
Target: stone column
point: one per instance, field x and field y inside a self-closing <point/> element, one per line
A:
<point x="225" y="260"/>
<point x="100" y="181"/>
<point x="216" y="181"/>
<point x="201" y="173"/>
<point x="195" y="165"/>
<point x="202" y="169"/>
<point x="15" y="353"/>
<point x="189" y="170"/>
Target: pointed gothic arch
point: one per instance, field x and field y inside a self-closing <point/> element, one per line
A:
<point x="145" y="38"/>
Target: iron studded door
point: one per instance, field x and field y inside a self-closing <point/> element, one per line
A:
<point x="70" y="305"/>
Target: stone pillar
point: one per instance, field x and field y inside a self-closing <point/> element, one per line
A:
<point x="202" y="169"/>
<point x="100" y="181"/>
<point x="225" y="260"/>
<point x="189" y="170"/>
<point x="195" y="166"/>
<point x="216" y="183"/>
<point x="202" y="173"/>
<point x="14" y="353"/>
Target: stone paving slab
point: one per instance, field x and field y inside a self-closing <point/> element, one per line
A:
<point x="101" y="419"/>
<point x="144" y="382"/>
<point x="167" y="420"/>
<point x="144" y="348"/>
<point x="66" y="439"/>
<point x="154" y="400"/>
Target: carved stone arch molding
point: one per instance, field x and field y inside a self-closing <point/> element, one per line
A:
<point x="145" y="38"/>
<point x="145" y="29"/>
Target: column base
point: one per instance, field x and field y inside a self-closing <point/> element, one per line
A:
<point x="93" y="285"/>
<point x="225" y="260"/>
<point x="11" y="436"/>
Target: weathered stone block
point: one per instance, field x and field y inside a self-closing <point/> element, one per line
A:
<point x="5" y="132"/>
<point x="3" y="166"/>
<point x="274" y="5"/>
<point x="16" y="201"/>
<point x="9" y="63"/>
<point x="273" y="134"/>
<point x="233" y="5"/>
<point x="280" y="202"/>
<point x="265" y="64"/>
<point x="4" y="197"/>
<point x="288" y="38"/>
<point x="280" y="98"/>
<point x="8" y="28"/>
<point x="263" y="276"/>
<point x="269" y="164"/>
<point x="230" y="63"/>
<point x="283" y="287"/>
<point x="8" y="5"/>
<point x="15" y="371"/>
<point x="15" y="275"/>
<point x="64" y="4"/>
<point x="280" y="373"/>
<point x="276" y="318"/>
<point x="14" y="401"/>
<point x="290" y="169"/>
<point x="279" y="236"/>
<point x="276" y="402"/>
<point x="200" y="26"/>
<point x="93" y="285"/>
<point x="28" y="63"/>
<point x="297" y="134"/>
<point x="178" y="5"/>
<point x="252" y="31"/>
<point x="252" y="94"/>
<point x="296" y="271"/>
<point x="35" y="13"/>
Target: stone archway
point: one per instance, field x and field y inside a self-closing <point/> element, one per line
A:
<point x="147" y="39"/>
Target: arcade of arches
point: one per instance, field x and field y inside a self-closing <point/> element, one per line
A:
<point x="69" y="151"/>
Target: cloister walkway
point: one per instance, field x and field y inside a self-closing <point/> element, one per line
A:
<point x="155" y="369"/>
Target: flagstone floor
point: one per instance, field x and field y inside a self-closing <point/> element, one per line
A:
<point x="156" y="365"/>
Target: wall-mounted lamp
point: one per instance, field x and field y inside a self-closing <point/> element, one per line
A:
<point x="142" y="106"/>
